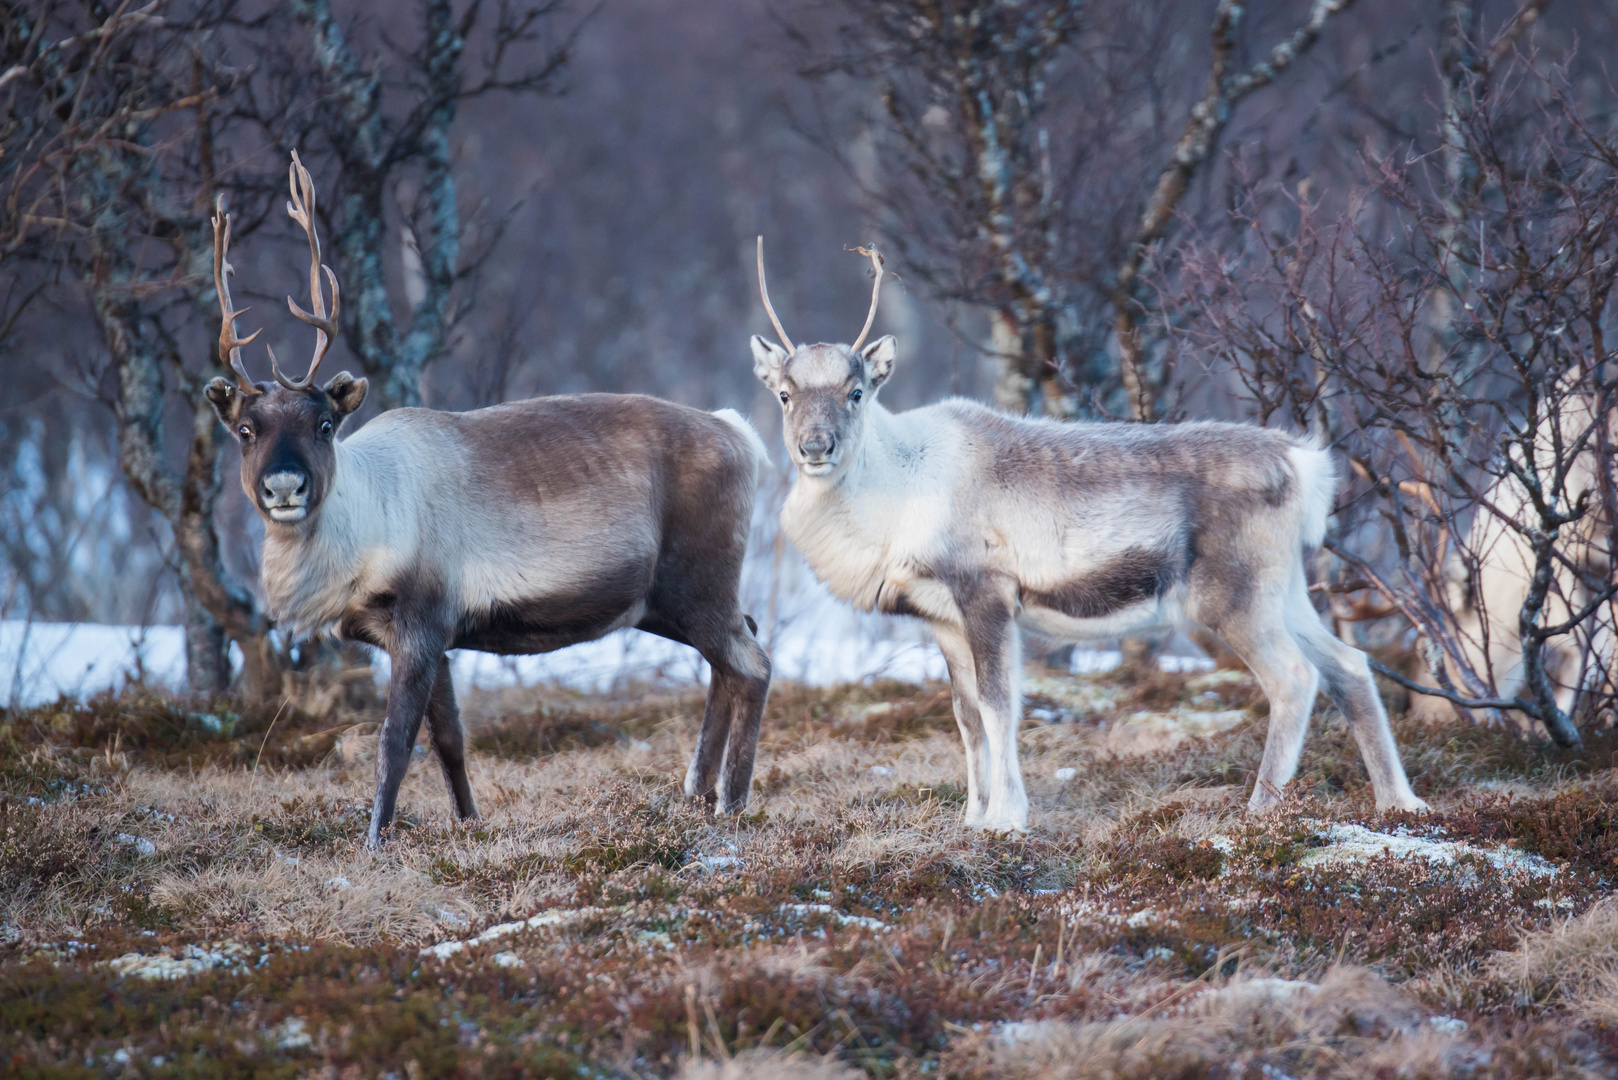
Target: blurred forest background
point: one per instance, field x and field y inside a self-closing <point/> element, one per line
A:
<point x="1387" y="222"/>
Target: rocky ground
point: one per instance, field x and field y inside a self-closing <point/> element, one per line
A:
<point x="184" y="892"/>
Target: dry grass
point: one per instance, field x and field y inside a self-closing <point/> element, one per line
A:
<point x="1145" y="927"/>
<point x="1574" y="964"/>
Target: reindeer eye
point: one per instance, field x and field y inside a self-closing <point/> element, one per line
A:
<point x="245" y="432"/>
<point x="783" y="397"/>
<point x="856" y="395"/>
<point x="325" y="428"/>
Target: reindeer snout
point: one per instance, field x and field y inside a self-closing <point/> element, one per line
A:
<point x="817" y="448"/>
<point x="285" y="494"/>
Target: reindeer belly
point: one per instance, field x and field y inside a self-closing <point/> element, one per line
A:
<point x="583" y="610"/>
<point x="1133" y="590"/>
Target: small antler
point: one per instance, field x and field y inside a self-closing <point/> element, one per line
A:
<point x="301" y="208"/>
<point x="876" y="292"/>
<point x="764" y="291"/>
<point x="230" y="346"/>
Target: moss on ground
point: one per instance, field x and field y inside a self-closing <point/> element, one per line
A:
<point x="848" y="914"/>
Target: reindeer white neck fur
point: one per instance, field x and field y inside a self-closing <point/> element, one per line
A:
<point x="313" y="574"/>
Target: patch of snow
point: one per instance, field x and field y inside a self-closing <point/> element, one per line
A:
<point x="338" y="882"/>
<point x="1016" y="1031"/>
<point x="881" y="770"/>
<point x="507" y="959"/>
<point x="1065" y="773"/>
<point x="1348" y="844"/>
<point x="40" y="662"/>
<point x="1181" y="654"/>
<point x="142" y="846"/>
<point x="709" y="864"/>
<point x="558" y="917"/>
<point x="291" y="1034"/>
<point x="1270" y="1072"/>
<point x="1447" y="1025"/>
<point x="657" y="938"/>
<point x="1216" y="678"/>
<point x="445" y="915"/>
<point x="817" y="640"/>
<point x="1141" y="918"/>
<point x="805" y="910"/>
<point x="192" y="960"/>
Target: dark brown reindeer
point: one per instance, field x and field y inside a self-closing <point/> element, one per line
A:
<point x="516" y="529"/>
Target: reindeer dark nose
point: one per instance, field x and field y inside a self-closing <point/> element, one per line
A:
<point x="817" y="447"/>
<point x="282" y="487"/>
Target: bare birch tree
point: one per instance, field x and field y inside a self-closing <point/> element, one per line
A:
<point x="1021" y="178"/>
<point x="376" y="133"/>
<point x="964" y="100"/>
<point x="123" y="124"/>
<point x="1482" y="504"/>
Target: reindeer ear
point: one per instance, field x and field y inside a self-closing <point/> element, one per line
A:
<point x="768" y="358"/>
<point x="346" y="392"/>
<point x="226" y="399"/>
<point x="878" y="357"/>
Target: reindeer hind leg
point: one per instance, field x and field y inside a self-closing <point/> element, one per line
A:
<point x="748" y="672"/>
<point x="1347" y="677"/>
<point x="449" y="741"/>
<point x="1263" y="641"/>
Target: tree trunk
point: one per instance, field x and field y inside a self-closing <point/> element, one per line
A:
<point x="207" y="651"/>
<point x="215" y="606"/>
<point x="1013" y="389"/>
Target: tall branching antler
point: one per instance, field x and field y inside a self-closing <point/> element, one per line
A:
<point x="764" y="292"/>
<point x="301" y="208"/>
<point x="876" y="292"/>
<point x="230" y="346"/>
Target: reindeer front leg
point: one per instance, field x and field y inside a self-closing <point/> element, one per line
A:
<point x="415" y="655"/>
<point x="963" y="689"/>
<point x="988" y="610"/>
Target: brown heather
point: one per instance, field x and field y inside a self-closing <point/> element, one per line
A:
<point x="848" y="925"/>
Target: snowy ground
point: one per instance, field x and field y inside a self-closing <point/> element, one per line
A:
<point x="816" y="640"/>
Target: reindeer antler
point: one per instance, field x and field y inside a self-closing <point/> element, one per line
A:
<point x="764" y="291"/>
<point x="876" y="292"/>
<point x="230" y="346"/>
<point x="301" y="208"/>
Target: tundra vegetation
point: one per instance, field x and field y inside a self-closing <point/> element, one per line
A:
<point x="188" y="893"/>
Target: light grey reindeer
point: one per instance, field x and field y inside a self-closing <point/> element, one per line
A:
<point x="516" y="529"/>
<point x="1487" y="628"/>
<point x="979" y="522"/>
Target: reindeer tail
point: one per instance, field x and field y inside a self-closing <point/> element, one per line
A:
<point x="1317" y="476"/>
